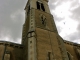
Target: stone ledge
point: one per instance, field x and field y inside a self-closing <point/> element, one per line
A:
<point x="11" y="44"/>
<point x="72" y="43"/>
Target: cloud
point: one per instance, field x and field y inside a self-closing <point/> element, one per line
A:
<point x="65" y="12"/>
<point x="78" y="28"/>
<point x="13" y="26"/>
<point x="66" y="15"/>
<point x="74" y="37"/>
<point x="11" y="19"/>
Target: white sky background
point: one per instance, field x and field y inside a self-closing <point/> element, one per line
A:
<point x="66" y="15"/>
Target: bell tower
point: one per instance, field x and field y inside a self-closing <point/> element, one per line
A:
<point x="40" y="37"/>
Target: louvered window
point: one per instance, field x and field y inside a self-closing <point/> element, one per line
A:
<point x="40" y="6"/>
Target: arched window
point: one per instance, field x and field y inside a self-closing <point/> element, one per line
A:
<point x="50" y="56"/>
<point x="70" y="56"/>
<point x="40" y="6"/>
<point x="7" y="55"/>
<point x="43" y="19"/>
<point x="78" y="51"/>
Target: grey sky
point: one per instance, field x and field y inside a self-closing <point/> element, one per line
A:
<point x="12" y="18"/>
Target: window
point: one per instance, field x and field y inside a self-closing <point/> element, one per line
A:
<point x="50" y="56"/>
<point x="49" y="53"/>
<point x="70" y="56"/>
<point x="43" y="19"/>
<point x="7" y="55"/>
<point x="40" y="6"/>
<point x="78" y="51"/>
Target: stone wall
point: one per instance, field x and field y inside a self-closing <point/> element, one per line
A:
<point x="15" y="51"/>
<point x="72" y="49"/>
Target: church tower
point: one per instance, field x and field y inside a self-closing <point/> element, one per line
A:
<point x="40" y="36"/>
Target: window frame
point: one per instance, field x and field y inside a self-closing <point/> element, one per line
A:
<point x="43" y="19"/>
<point x="69" y="56"/>
<point x="7" y="54"/>
<point x="40" y="6"/>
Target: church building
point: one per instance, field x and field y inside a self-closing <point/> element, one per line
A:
<point x="40" y="38"/>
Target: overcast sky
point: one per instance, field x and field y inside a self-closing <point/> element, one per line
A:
<point x="66" y="15"/>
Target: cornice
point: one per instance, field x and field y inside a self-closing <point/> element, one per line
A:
<point x="72" y="43"/>
<point x="11" y="44"/>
